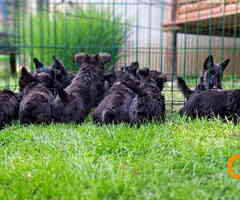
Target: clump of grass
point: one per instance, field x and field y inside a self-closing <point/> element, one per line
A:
<point x="64" y="34"/>
<point x="180" y="159"/>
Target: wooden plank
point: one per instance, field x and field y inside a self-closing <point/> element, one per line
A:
<point x="203" y="14"/>
<point x="180" y="2"/>
<point x="196" y="7"/>
<point x="8" y="51"/>
<point x="202" y="5"/>
<point x="202" y="27"/>
<point x="206" y="14"/>
<point x="171" y="28"/>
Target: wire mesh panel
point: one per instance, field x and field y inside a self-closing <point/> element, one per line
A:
<point x="8" y="39"/>
<point x="206" y="27"/>
<point x="171" y="36"/>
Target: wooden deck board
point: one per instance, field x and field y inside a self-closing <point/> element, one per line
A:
<point x="215" y="19"/>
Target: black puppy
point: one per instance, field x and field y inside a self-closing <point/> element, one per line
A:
<point x="86" y="90"/>
<point x="213" y="103"/>
<point x="114" y="108"/>
<point x="9" y="107"/>
<point x="35" y="106"/>
<point x="126" y="70"/>
<point x="149" y="104"/>
<point x="210" y="77"/>
<point x="40" y="66"/>
<point x="45" y="78"/>
<point x="57" y="71"/>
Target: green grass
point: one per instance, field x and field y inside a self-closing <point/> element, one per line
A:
<point x="4" y="58"/>
<point x="176" y="160"/>
<point x="82" y="30"/>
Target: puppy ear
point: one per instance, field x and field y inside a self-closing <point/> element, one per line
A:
<point x="63" y="95"/>
<point x="80" y="58"/>
<point x="105" y="58"/>
<point x="58" y="64"/>
<point x="26" y="76"/>
<point x="208" y="63"/>
<point x="135" y="64"/>
<point x="37" y="63"/>
<point x="224" y="64"/>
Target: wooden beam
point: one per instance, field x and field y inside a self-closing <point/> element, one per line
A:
<point x="217" y="12"/>
<point x="195" y="7"/>
<point x="171" y="36"/>
<point x="171" y="28"/>
<point x="13" y="64"/>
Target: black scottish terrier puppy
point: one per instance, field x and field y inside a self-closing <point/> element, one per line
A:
<point x="213" y="103"/>
<point x="126" y="70"/>
<point x="130" y="71"/>
<point x="45" y="78"/>
<point x="36" y="103"/>
<point x="114" y="108"/>
<point x="149" y="104"/>
<point x="85" y="91"/>
<point x="210" y="77"/>
<point x="57" y="71"/>
<point x="9" y="107"/>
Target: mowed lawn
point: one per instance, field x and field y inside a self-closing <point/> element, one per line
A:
<point x="180" y="159"/>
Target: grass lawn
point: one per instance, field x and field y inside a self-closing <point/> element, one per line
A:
<point x="176" y="160"/>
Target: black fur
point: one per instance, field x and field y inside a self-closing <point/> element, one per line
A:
<point x="149" y="104"/>
<point x="9" y="107"/>
<point x="114" y="108"/>
<point x="57" y="71"/>
<point x="35" y="106"/>
<point x="131" y="69"/>
<point x="127" y="71"/>
<point x="61" y="74"/>
<point x="213" y="103"/>
<point x="46" y="79"/>
<point x="210" y="77"/>
<point x="85" y="92"/>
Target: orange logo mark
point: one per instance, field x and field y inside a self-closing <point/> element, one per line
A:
<point x="230" y="166"/>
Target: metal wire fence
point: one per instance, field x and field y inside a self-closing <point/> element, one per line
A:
<point x="171" y="36"/>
